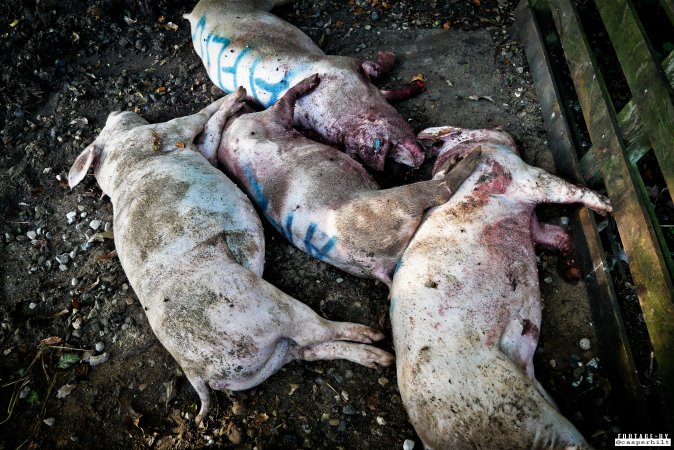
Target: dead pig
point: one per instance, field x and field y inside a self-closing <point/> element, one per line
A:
<point x="321" y="200"/>
<point x="192" y="247"/>
<point x="241" y="44"/>
<point x="465" y="304"/>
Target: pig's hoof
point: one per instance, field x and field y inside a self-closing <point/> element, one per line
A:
<point x="372" y="357"/>
<point x="358" y="333"/>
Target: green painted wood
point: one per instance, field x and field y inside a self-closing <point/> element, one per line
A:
<point x="650" y="91"/>
<point x="651" y="277"/>
<point x="613" y="343"/>
<point x="668" y="6"/>
<point x="632" y="131"/>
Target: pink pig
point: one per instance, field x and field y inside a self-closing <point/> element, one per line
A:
<point x="465" y="303"/>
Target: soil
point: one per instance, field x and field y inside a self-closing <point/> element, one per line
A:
<point x="66" y="65"/>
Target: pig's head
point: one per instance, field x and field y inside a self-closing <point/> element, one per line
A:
<point x="96" y="152"/>
<point x="375" y="139"/>
<point x="456" y="143"/>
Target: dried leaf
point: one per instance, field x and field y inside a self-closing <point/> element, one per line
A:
<point x="293" y="388"/>
<point x="339" y="23"/>
<point x="170" y="390"/>
<point x="160" y="89"/>
<point x="155" y="141"/>
<point x="180" y="144"/>
<point x="51" y="340"/>
<point x="14" y="23"/>
<point x="170" y="26"/>
<point x="446" y="25"/>
<point x="101" y="236"/>
<point x="419" y="77"/>
<point x="65" y="390"/>
<point x="128" y="413"/>
<point x="373" y="402"/>
<point x="476" y="2"/>
<point x="260" y="418"/>
<point x="162" y="19"/>
<point x="129" y="20"/>
<point x="75" y="37"/>
<point x="107" y="256"/>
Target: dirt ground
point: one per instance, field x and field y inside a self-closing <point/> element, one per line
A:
<point x="66" y="65"/>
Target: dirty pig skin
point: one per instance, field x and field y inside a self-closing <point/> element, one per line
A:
<point x="241" y="44"/>
<point x="192" y="247"/>
<point x="321" y="200"/>
<point x="465" y="304"/>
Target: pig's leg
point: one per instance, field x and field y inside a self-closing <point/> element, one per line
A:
<point x="404" y="92"/>
<point x="200" y="386"/>
<point x="209" y="140"/>
<point x="284" y="109"/>
<point x="556" y="238"/>
<point x="365" y="355"/>
<point x="188" y="127"/>
<point x="544" y="187"/>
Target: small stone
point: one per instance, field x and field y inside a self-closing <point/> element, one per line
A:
<point x="84" y="214"/>
<point x="339" y="280"/>
<point x="383" y="381"/>
<point x="100" y="359"/>
<point x="408" y="444"/>
<point x="381" y="421"/>
<point x="234" y="435"/>
<point x="74" y="281"/>
<point x="100" y="346"/>
<point x="62" y="259"/>
<point x="564" y="220"/>
<point x="548" y="280"/>
<point x="334" y="422"/>
<point x="585" y="344"/>
<point x="95" y="224"/>
<point x="349" y="409"/>
<point x="63" y="267"/>
<point x="49" y="421"/>
<point x="32" y="305"/>
<point x="32" y="235"/>
<point x="553" y="363"/>
<point x="65" y="390"/>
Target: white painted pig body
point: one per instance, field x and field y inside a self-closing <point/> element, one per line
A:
<point x="192" y="247"/>
<point x="241" y="44"/>
<point x="465" y="305"/>
<point x="321" y="200"/>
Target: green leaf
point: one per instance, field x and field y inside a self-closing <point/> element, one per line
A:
<point x="32" y="397"/>
<point x="68" y="359"/>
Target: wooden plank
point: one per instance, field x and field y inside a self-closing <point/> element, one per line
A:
<point x="650" y="91"/>
<point x="668" y="6"/>
<point x="613" y="342"/>
<point x="632" y="131"/>
<point x="654" y="286"/>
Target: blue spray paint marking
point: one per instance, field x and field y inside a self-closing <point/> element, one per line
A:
<point x="257" y="85"/>
<point x="399" y="264"/>
<point x="392" y="306"/>
<point x="377" y="145"/>
<point x="319" y="253"/>
<point x="263" y="203"/>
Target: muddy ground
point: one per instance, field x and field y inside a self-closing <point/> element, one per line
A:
<point x="66" y="65"/>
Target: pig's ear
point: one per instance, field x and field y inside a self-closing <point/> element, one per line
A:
<point x="81" y="165"/>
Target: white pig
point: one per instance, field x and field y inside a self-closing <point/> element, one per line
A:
<point x="321" y="200"/>
<point x="192" y="247"/>
<point x="241" y="44"/>
<point x="465" y="304"/>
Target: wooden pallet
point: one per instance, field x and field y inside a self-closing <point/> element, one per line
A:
<point x="618" y="142"/>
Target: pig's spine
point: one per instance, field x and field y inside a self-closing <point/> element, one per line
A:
<point x="264" y="92"/>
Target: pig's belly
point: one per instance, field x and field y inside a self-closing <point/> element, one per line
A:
<point x="170" y="207"/>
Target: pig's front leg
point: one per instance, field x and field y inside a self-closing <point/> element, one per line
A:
<point x="543" y="187"/>
<point x="557" y="238"/>
<point x="209" y="140"/>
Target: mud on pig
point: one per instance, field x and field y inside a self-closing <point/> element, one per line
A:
<point x="466" y="309"/>
<point x="321" y="200"/>
<point x="192" y="247"/>
<point x="241" y="43"/>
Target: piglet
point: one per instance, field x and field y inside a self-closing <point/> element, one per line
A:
<point x="192" y="247"/>
<point x="241" y="43"/>
<point x="465" y="304"/>
<point x="321" y="200"/>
